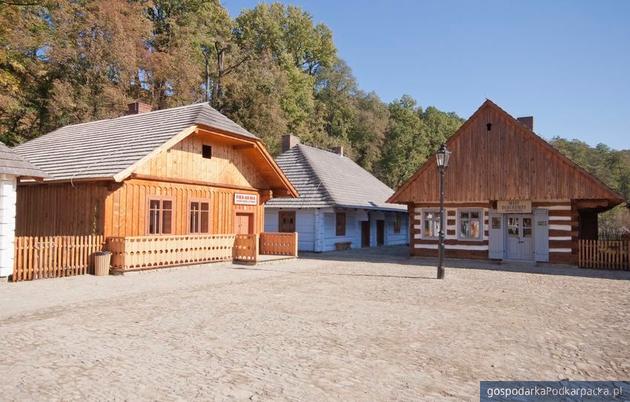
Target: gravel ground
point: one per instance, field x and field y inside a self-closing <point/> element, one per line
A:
<point x="345" y="325"/>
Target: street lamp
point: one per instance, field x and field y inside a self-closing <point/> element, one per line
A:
<point x="441" y="158"/>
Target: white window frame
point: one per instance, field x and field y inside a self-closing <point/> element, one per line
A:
<point x="458" y="222"/>
<point x="423" y="232"/>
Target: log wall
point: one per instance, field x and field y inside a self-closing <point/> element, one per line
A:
<point x="563" y="231"/>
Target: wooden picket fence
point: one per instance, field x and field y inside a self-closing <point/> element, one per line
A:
<point x="54" y="256"/>
<point x="279" y="243"/>
<point x="604" y="254"/>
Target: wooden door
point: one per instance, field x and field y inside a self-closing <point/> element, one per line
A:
<point x="286" y="221"/>
<point x="244" y="223"/>
<point x="380" y="232"/>
<point x="365" y="233"/>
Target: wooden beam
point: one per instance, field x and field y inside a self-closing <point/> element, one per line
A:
<point x="193" y="182"/>
<point x="244" y="146"/>
<point x="591" y="204"/>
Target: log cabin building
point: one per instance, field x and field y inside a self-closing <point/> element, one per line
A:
<point x="509" y="195"/>
<point x="184" y="170"/>
<point x="341" y="205"/>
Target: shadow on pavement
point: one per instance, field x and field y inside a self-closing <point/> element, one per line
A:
<point x="400" y="255"/>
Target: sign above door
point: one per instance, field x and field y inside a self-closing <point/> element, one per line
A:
<point x="514" y="207"/>
<point x="245" y="199"/>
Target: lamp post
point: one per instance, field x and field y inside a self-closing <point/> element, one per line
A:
<point x="441" y="158"/>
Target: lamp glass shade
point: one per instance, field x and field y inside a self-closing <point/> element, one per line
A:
<point x="442" y="156"/>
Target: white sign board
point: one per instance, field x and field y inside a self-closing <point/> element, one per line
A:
<point x="245" y="199"/>
<point x="514" y="207"/>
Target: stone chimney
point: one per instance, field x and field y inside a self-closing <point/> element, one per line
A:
<point x="338" y="150"/>
<point x="289" y="141"/>
<point x="528" y="121"/>
<point x="138" y="107"/>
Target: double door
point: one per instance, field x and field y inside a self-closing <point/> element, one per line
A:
<point x="519" y="241"/>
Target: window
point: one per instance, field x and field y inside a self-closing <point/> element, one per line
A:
<point x="496" y="222"/>
<point x="340" y="224"/>
<point x="160" y="216"/>
<point x="206" y="151"/>
<point x="513" y="226"/>
<point x="527" y="227"/>
<point x="431" y="224"/>
<point x="397" y="223"/>
<point x="470" y="225"/>
<point x="199" y="219"/>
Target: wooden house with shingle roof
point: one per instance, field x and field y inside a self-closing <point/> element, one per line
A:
<point x="340" y="204"/>
<point x="509" y="195"/>
<point x="184" y="170"/>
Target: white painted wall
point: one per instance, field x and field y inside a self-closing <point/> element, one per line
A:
<point x="316" y="227"/>
<point x="304" y="225"/>
<point x="394" y="239"/>
<point x="353" y="229"/>
<point x="8" y="185"/>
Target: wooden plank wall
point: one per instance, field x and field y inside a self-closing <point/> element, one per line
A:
<point x="60" y="209"/>
<point x="229" y="164"/>
<point x="126" y="208"/>
<point x="505" y="163"/>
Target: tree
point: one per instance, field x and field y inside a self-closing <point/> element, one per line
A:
<point x="288" y="34"/>
<point x="368" y="132"/>
<point x="406" y="145"/>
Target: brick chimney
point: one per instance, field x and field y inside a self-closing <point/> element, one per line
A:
<point x="338" y="150"/>
<point x="289" y="141"/>
<point x="138" y="107"/>
<point x="528" y="121"/>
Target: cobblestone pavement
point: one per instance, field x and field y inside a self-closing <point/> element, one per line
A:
<point x="347" y="325"/>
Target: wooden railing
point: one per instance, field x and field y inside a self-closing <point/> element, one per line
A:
<point x="604" y="254"/>
<point x="54" y="256"/>
<point x="147" y="252"/>
<point x="246" y="249"/>
<point x="279" y="244"/>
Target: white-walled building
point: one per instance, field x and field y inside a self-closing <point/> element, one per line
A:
<point x="12" y="168"/>
<point x="340" y="204"/>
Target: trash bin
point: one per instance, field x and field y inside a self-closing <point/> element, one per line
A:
<point x="102" y="260"/>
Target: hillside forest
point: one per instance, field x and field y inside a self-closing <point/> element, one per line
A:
<point x="271" y="69"/>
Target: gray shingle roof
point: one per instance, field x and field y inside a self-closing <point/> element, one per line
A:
<point x="326" y="179"/>
<point x="101" y="149"/>
<point x="13" y="164"/>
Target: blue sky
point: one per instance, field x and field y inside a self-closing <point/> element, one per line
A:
<point x="567" y="63"/>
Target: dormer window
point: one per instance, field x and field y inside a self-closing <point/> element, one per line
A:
<point x="206" y="151"/>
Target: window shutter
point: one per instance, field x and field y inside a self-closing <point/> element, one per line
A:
<point x="495" y="232"/>
<point x="541" y="235"/>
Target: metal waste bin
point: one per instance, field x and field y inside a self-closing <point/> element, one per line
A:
<point x="102" y="260"/>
